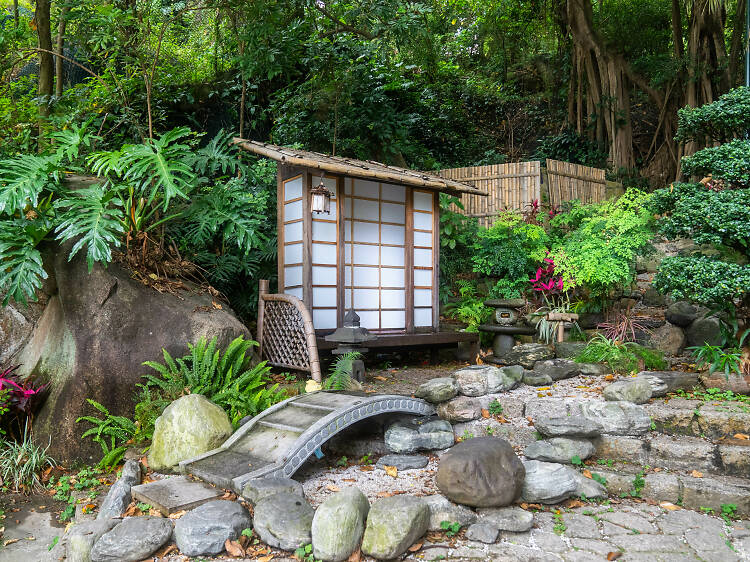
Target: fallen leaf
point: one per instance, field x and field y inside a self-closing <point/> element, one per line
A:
<point x="485" y="413"/>
<point x="379" y="378"/>
<point x="166" y="551"/>
<point x="348" y="480"/>
<point x="741" y="436"/>
<point x="609" y="378"/>
<point x="613" y="555"/>
<point x="88" y="508"/>
<point x="132" y="508"/>
<point x="391" y="471"/>
<point x="366" y="468"/>
<point x="529" y="419"/>
<point x="355" y="556"/>
<point x="177" y="514"/>
<point x="696" y="474"/>
<point x="265" y="558"/>
<point x="9" y="541"/>
<point x="415" y="547"/>
<point x="669" y="506"/>
<point x="332" y="488"/>
<point x="383" y="495"/>
<point x="587" y="473"/>
<point x="657" y="469"/>
<point x="155" y="513"/>
<point x="573" y="503"/>
<point x="216" y="305"/>
<point x="234" y="548"/>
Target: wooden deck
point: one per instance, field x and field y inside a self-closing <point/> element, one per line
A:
<point x="395" y="341"/>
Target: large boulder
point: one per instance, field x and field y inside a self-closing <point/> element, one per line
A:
<point x="460" y="409"/>
<point x="437" y="390"/>
<point x="559" y="449"/>
<point x="557" y="369"/>
<point x="134" y="539"/>
<point x="204" y="530"/>
<point x="338" y="525"/>
<point x="527" y="354"/>
<point x="704" y="330"/>
<point x="481" y="472"/>
<point x="188" y="427"/>
<point x="409" y="436"/>
<point x="283" y="521"/>
<point x="96" y="331"/>
<point x="682" y="313"/>
<point x="393" y="525"/>
<point x="669" y="339"/>
<point x="672" y="380"/>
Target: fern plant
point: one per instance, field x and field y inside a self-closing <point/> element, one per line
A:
<point x="113" y="434"/>
<point x="340" y="377"/>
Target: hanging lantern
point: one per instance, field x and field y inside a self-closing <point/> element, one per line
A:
<point x="320" y="199"/>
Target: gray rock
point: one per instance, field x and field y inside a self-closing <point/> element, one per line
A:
<point x="593" y="369"/>
<point x="674" y="380"/>
<point x="82" y="536"/>
<point x="511" y="519"/>
<point x="403" y="462"/>
<point x="117" y="500"/>
<point x="393" y="525"/>
<point x="132" y="540"/>
<point x="502" y="380"/>
<point x="559" y="449"/>
<point x="527" y="355"/>
<point x="472" y="380"/>
<point x="557" y="369"/>
<point x="682" y="313"/>
<point x="589" y="488"/>
<point x="481" y="472"/>
<point x="618" y="418"/>
<point x="482" y="532"/>
<point x="203" y="530"/>
<point x="437" y="390"/>
<point x="338" y="525"/>
<point x="131" y="472"/>
<point x="460" y="409"/>
<point x="404" y="437"/>
<point x="658" y="386"/>
<point x="704" y="331"/>
<point x="669" y="339"/>
<point x="652" y="297"/>
<point x="434" y="426"/>
<point x="260" y="488"/>
<point x="548" y="482"/>
<point x="637" y="391"/>
<point x="569" y="349"/>
<point x="442" y="509"/>
<point x="534" y="379"/>
<point x="189" y="426"/>
<point x="283" y="521"/>
<point x="568" y="426"/>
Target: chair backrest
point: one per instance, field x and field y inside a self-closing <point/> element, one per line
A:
<point x="285" y="332"/>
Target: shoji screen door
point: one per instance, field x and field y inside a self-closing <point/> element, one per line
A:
<point x="424" y="219"/>
<point x="293" y="234"/>
<point x="324" y="259"/>
<point x="375" y="241"/>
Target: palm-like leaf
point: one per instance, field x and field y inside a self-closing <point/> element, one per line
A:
<point x="69" y="141"/>
<point x="22" y="179"/>
<point x="217" y="156"/>
<point x="21" y="270"/>
<point x="160" y="166"/>
<point x="94" y="216"/>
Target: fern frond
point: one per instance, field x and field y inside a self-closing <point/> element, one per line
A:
<point x="22" y="179"/>
<point x="21" y="270"/>
<point x="217" y="156"/>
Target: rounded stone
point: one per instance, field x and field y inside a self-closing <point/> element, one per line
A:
<point x="283" y="521"/>
<point x="559" y="449"/>
<point x="393" y="525"/>
<point x="403" y="462"/>
<point x="481" y="472"/>
<point x="460" y="409"/>
<point x="437" y="390"/>
<point x="548" y="482"/>
<point x="338" y="525"/>
<point x="134" y="539"/>
<point x="204" y="530"/>
<point x="637" y="391"/>
<point x="188" y="427"/>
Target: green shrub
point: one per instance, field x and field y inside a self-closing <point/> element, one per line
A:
<point x="340" y="377"/>
<point x="718" y="121"/>
<point x="729" y="162"/>
<point x="620" y="357"/>
<point x="113" y="434"/>
<point x="21" y="463"/>
<point x="470" y="308"/>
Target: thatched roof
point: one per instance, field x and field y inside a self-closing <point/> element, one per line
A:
<point x="365" y="169"/>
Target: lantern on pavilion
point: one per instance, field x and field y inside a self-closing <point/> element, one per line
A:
<point x="320" y="199"/>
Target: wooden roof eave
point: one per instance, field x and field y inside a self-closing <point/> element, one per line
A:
<point x="356" y="168"/>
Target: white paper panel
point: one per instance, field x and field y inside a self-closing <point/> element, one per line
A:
<point x="330" y="183"/>
<point x="293" y="275"/>
<point x="423" y="239"/>
<point x="393" y="319"/>
<point x="391" y="256"/>
<point x="323" y="275"/>
<point x="365" y="209"/>
<point x="293" y="232"/>
<point x="347" y="299"/>
<point x="347" y="254"/>
<point x="326" y="253"/>
<point x="393" y="212"/>
<point x="365" y="231"/>
<point x="293" y="253"/>
<point x="347" y="276"/>
<point x="366" y="298"/>
<point x="423" y="277"/>
<point x="422" y="297"/>
<point x="323" y="231"/>
<point x="348" y="186"/>
<point x="422" y="317"/>
<point x="347" y="231"/>
<point x="324" y="296"/>
<point x="423" y="221"/>
<point x="391" y="277"/>
<point x="423" y="201"/>
<point x="293" y="211"/>
<point x="422" y="258"/>
<point x="369" y="319"/>
<point x="393" y="192"/>
<point x="366" y="188"/>
<point x="296" y="292"/>
<point x="293" y="189"/>
<point x="324" y="319"/>
<point x="393" y="299"/>
<point x="366" y="255"/>
<point x="365" y="276"/>
<point x="391" y="234"/>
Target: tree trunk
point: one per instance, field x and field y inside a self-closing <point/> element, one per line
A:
<point x="677" y="38"/>
<point x="736" y="46"/>
<point x="15" y="14"/>
<point x="46" y="63"/>
<point x="59" y="69"/>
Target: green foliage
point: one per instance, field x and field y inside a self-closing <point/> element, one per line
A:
<point x="112" y="433"/>
<point x="21" y="463"/>
<point x="495" y="408"/>
<point x="620" y="357"/>
<point x="305" y="553"/>
<point x="576" y="461"/>
<point x="729" y="162"/>
<point x="559" y="526"/>
<point x="599" y="478"/>
<point x="718" y="121"/>
<point x="728" y="512"/>
<point x="727" y="361"/>
<point x="340" y="376"/>
<point x="457" y="238"/>
<point x="469" y="309"/>
<point x="510" y="249"/>
<point x="451" y="528"/>
<point x="568" y="146"/>
<point x="229" y="379"/>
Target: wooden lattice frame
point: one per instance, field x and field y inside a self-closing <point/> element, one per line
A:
<point x="286" y="333"/>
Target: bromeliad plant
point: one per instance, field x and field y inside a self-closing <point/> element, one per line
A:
<point x="19" y="399"/>
<point x="553" y="287"/>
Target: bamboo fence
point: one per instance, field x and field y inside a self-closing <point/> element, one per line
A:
<point x="567" y="182"/>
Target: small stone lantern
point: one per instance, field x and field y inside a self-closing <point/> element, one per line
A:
<point x="350" y="337"/>
<point x="506" y="324"/>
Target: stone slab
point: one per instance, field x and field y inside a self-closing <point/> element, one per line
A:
<point x="175" y="494"/>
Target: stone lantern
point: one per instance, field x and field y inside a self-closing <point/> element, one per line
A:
<point x="506" y="324"/>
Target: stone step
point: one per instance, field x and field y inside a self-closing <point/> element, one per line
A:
<point x="713" y="420"/>
<point x="707" y="492"/>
